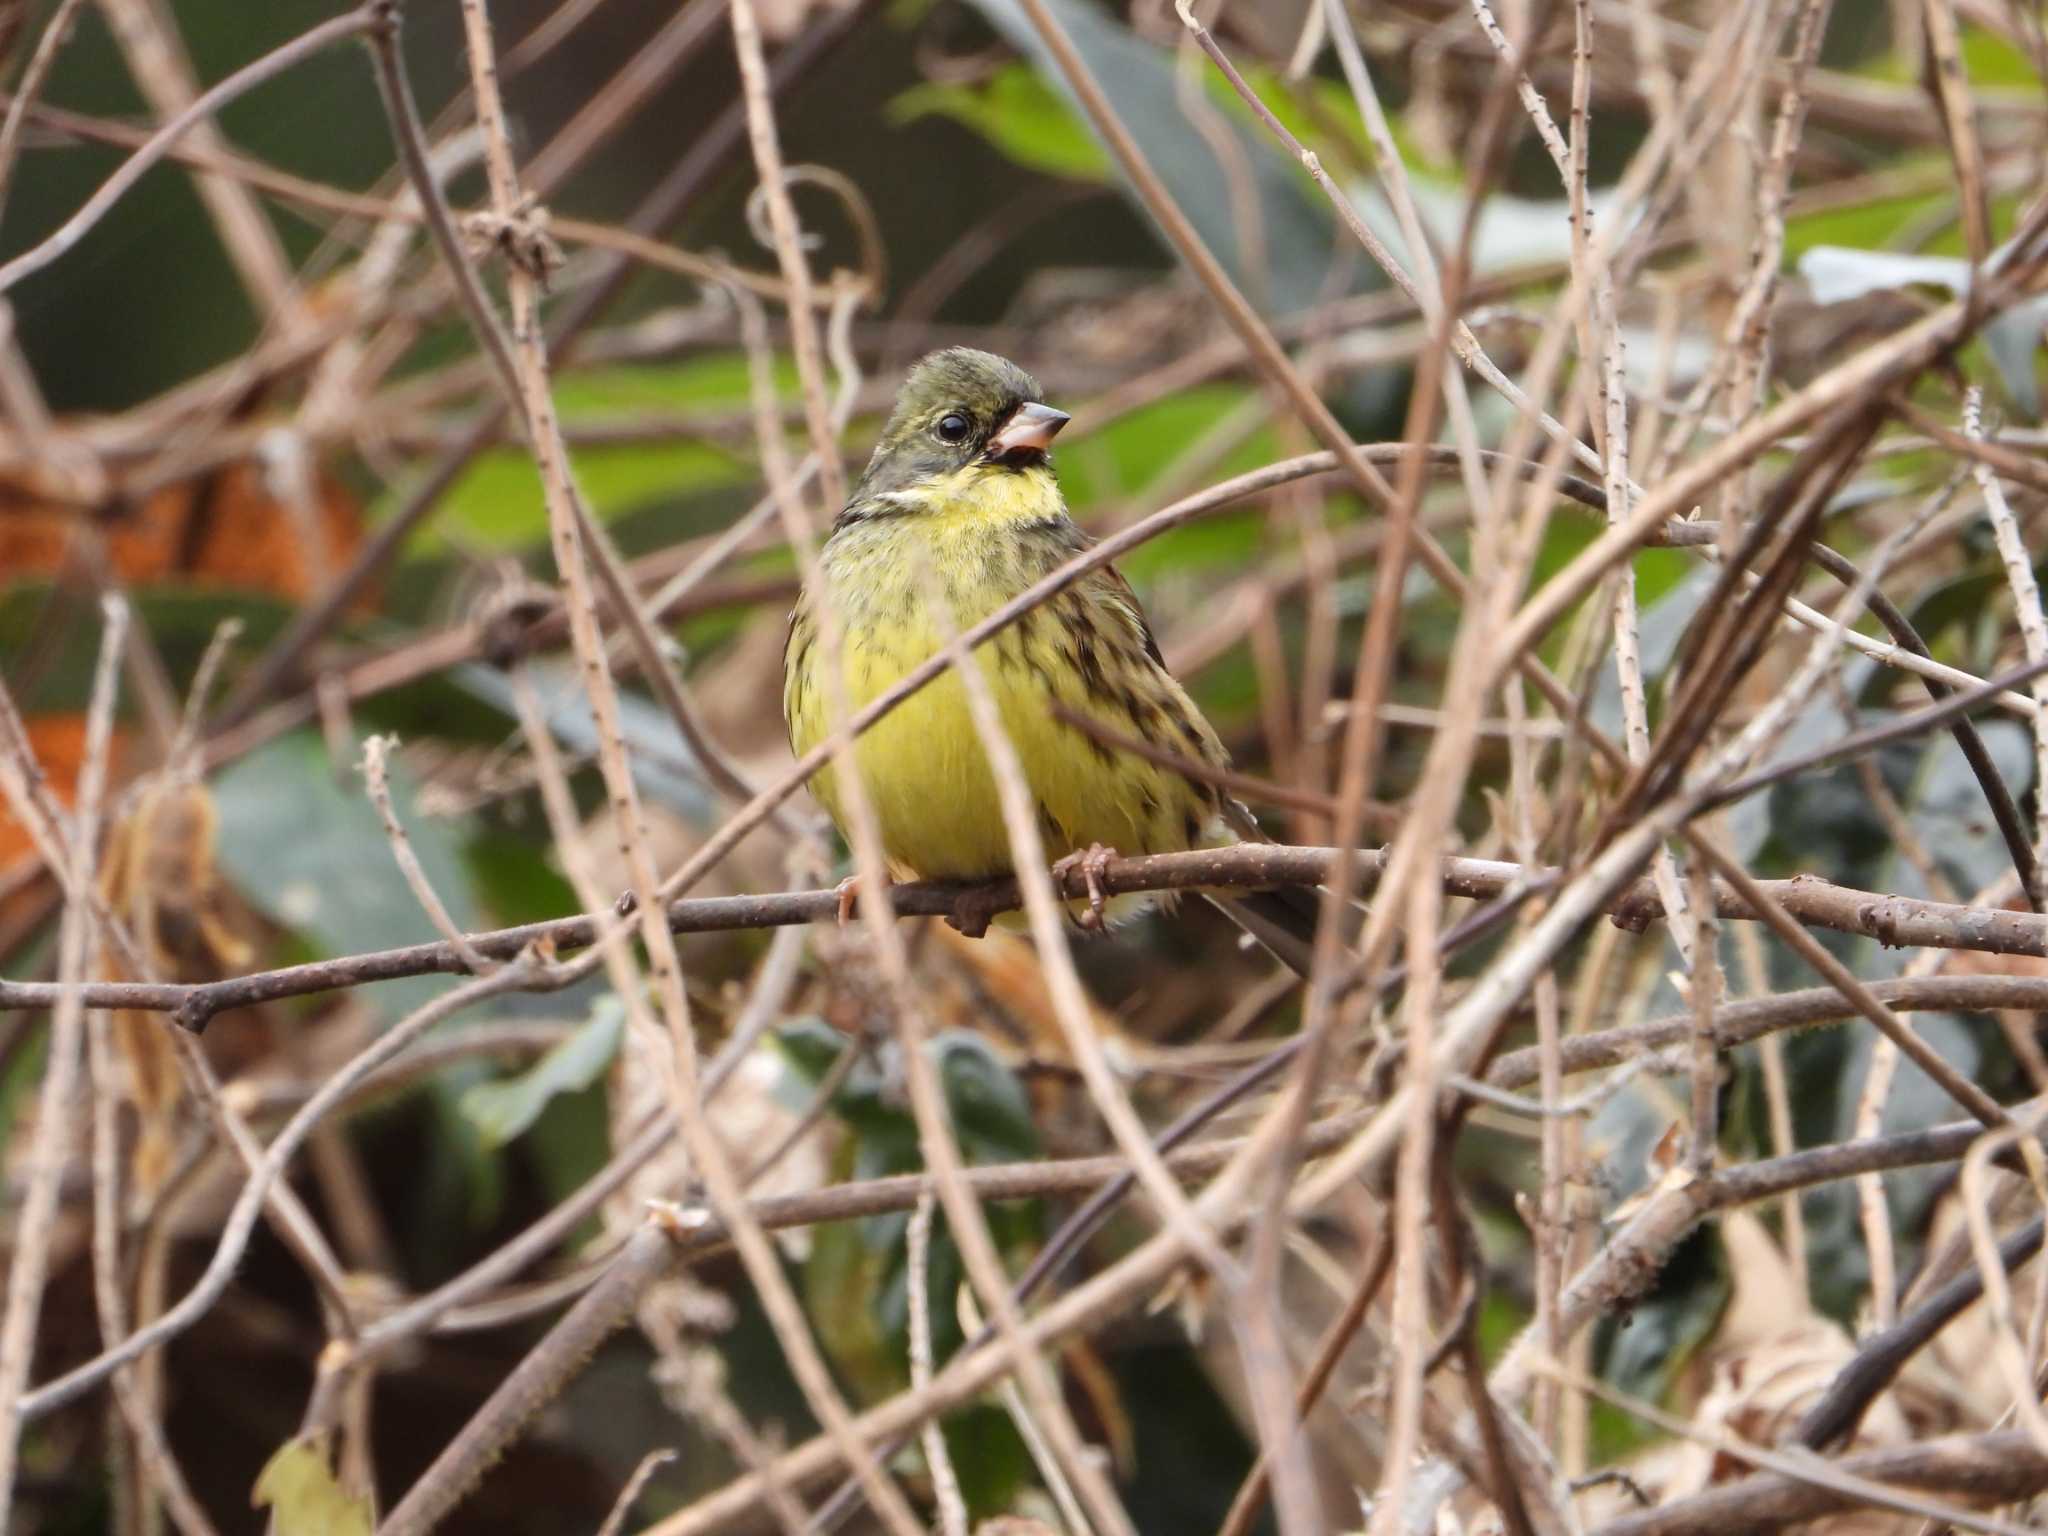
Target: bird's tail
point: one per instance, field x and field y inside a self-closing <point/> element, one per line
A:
<point x="1283" y="920"/>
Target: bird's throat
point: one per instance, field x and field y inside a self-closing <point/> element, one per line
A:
<point x="989" y="496"/>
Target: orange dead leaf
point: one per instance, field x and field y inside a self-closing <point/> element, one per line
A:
<point x="58" y="742"/>
<point x="159" y="877"/>
<point x="229" y="527"/>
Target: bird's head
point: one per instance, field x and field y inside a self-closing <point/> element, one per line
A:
<point x="962" y="411"/>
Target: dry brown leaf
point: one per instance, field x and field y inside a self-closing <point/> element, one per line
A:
<point x="1771" y="1358"/>
<point x="58" y="742"/>
<point x="160" y="877"/>
<point x="1949" y="1384"/>
<point x="230" y="527"/>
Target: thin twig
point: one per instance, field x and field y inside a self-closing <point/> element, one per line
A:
<point x="938" y="1463"/>
<point x="789" y="250"/>
<point x="1861" y="376"/>
<point x="377" y="781"/>
<point x="30" y="86"/>
<point x="527" y="375"/>
<point x="56" y="1103"/>
<point x="1137" y="1273"/>
<point x="151" y="48"/>
<point x="1997" y="1468"/>
<point x="2027" y="614"/>
<point x="241" y="1219"/>
<point x="686" y="1235"/>
<point x="363" y="21"/>
<point x="622" y="1506"/>
<point x="2009" y="1354"/>
<point x="1808" y="1470"/>
<point x="1895" y="921"/>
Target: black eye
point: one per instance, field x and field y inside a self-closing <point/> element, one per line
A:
<point x="952" y="427"/>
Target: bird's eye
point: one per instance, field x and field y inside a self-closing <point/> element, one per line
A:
<point x="952" y="427"/>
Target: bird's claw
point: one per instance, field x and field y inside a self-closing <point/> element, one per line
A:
<point x="848" y="892"/>
<point x="1093" y="863"/>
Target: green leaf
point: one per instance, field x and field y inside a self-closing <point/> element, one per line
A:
<point x="1313" y="110"/>
<point x="1132" y="451"/>
<point x="1301" y="243"/>
<point x="1988" y="60"/>
<point x="715" y="379"/>
<point x="2014" y="342"/>
<point x="1019" y="114"/>
<point x="300" y="1490"/>
<point x="310" y="852"/>
<point x="1837" y="274"/>
<point x="1232" y="543"/>
<point x="1863" y="225"/>
<point x="1946" y="805"/>
<point x="843" y="1280"/>
<point x="20" y="1077"/>
<point x="989" y="1457"/>
<point x="990" y="1110"/>
<point x="1666" y="1328"/>
<point x="2013" y="339"/>
<point x="1956" y="602"/>
<point x="855" y="1279"/>
<point x="503" y="1110"/>
<point x="179" y="620"/>
<point x="662" y="763"/>
<point x="1501" y="1320"/>
<point x="498" y="505"/>
<point x="514" y="874"/>
<point x="463" y="1188"/>
<point x="1824" y="820"/>
<point x="1992" y="60"/>
<point x="991" y="1113"/>
<point x="811" y="1047"/>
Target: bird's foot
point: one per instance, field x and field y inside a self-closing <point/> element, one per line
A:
<point x="1092" y="862"/>
<point x="848" y="892"/>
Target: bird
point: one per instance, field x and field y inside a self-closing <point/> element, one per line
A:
<point x="958" y="511"/>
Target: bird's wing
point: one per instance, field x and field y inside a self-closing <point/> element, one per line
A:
<point x="1127" y="598"/>
<point x="1239" y="818"/>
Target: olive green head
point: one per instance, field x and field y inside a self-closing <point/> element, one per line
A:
<point x="956" y="408"/>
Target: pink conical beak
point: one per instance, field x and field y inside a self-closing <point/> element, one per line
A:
<point x="1028" y="433"/>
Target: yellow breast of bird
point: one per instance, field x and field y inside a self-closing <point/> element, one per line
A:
<point x="967" y="550"/>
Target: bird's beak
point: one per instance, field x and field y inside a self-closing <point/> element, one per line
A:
<point x="1027" y="434"/>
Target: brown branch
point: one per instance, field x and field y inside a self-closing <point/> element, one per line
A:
<point x="241" y="1219"/>
<point x="695" y="1237"/>
<point x="1753" y="1019"/>
<point x="1337" y="1336"/>
<point x="29" y="1266"/>
<point x="1988" y="1469"/>
<point x="534" y="1382"/>
<point x="1895" y="921"/>
<point x="1867" y="373"/>
<point x="1633" y="1258"/>
<point x="1880" y="1357"/>
<point x="687" y="1236"/>
<point x="55" y="32"/>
